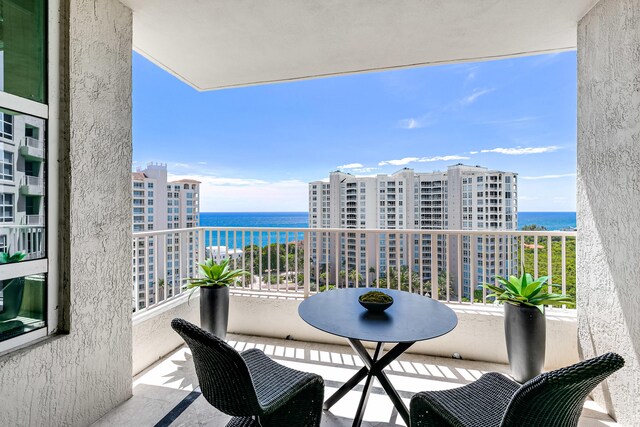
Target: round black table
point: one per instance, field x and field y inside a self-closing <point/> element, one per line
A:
<point x="411" y="318"/>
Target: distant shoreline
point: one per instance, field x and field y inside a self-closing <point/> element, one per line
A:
<point x="552" y="221"/>
<point x="307" y="213"/>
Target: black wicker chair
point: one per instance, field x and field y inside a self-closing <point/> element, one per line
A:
<point x="250" y="386"/>
<point x="551" y="399"/>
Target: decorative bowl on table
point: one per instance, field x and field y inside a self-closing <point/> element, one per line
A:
<point x="375" y="301"/>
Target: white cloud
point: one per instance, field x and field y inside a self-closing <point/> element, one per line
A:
<point x="202" y="163"/>
<point x="351" y="166"/>
<point x="416" y="122"/>
<point x="407" y="160"/>
<point x="356" y="167"/>
<point x="216" y="180"/>
<point x="564" y="175"/>
<point x="473" y="73"/>
<point x="517" y="151"/>
<point x="223" y="194"/>
<point x="473" y="152"/>
<point x="477" y="93"/>
<point x="181" y="165"/>
<point x="364" y="170"/>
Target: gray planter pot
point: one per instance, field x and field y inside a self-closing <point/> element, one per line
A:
<point x="214" y="310"/>
<point x="12" y="293"/>
<point x="525" y="332"/>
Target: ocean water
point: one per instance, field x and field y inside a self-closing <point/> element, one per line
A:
<point x="252" y="219"/>
<point x="255" y="219"/>
<point x="550" y="220"/>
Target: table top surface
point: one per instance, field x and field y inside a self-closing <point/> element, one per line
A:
<point x="411" y="317"/>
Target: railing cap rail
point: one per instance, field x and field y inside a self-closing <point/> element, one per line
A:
<point x="548" y="233"/>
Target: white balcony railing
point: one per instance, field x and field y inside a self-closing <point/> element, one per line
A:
<point x="33" y="143"/>
<point x="29" y="239"/>
<point x="448" y="265"/>
<point x="34" y="220"/>
<point x="34" y="181"/>
<point x="32" y="148"/>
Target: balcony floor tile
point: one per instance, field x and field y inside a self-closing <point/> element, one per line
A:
<point x="160" y="388"/>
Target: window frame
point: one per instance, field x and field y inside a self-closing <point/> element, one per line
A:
<point x="11" y="163"/>
<point x="48" y="111"/>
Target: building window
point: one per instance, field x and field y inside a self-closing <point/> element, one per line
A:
<point x="6" y="207"/>
<point x="24" y="311"/>
<point x="6" y="165"/>
<point x="6" y="126"/>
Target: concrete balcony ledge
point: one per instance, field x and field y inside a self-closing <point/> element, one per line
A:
<point x="479" y="335"/>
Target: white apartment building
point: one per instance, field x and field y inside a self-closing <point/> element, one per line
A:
<point x="159" y="204"/>
<point x="22" y="167"/>
<point x="462" y="198"/>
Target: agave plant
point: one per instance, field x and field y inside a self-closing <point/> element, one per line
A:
<point x="215" y="275"/>
<point x="526" y="291"/>
<point x="6" y="258"/>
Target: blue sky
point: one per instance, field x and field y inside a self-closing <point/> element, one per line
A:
<point x="256" y="148"/>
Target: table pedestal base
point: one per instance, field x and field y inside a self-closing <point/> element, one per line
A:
<point x="373" y="367"/>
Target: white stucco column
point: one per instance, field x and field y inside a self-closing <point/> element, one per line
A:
<point x="608" y="253"/>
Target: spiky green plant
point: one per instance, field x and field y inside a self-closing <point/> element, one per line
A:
<point x="526" y="291"/>
<point x="215" y="275"/>
<point x="6" y="258"/>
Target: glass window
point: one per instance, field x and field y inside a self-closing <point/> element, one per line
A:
<point x="22" y="48"/>
<point x="6" y="165"/>
<point x="22" y="299"/>
<point x="6" y="207"/>
<point x="6" y="126"/>
<point x="22" y="305"/>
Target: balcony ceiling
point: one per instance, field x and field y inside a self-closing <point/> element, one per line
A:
<point x="227" y="43"/>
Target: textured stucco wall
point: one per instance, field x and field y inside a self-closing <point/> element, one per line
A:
<point x="74" y="379"/>
<point x="153" y="337"/>
<point x="608" y="261"/>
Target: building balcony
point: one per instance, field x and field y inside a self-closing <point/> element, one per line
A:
<point x="32" y="186"/>
<point x="165" y="384"/>
<point x="32" y="149"/>
<point x="33" y="220"/>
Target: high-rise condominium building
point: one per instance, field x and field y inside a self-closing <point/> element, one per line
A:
<point x="159" y="204"/>
<point x="462" y="198"/>
<point x="22" y="184"/>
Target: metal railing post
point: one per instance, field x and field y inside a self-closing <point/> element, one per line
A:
<point x="307" y="263"/>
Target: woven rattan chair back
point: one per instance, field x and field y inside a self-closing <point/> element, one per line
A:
<point x="556" y="398"/>
<point x="223" y="375"/>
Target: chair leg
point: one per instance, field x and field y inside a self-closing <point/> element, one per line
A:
<point x="302" y="410"/>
